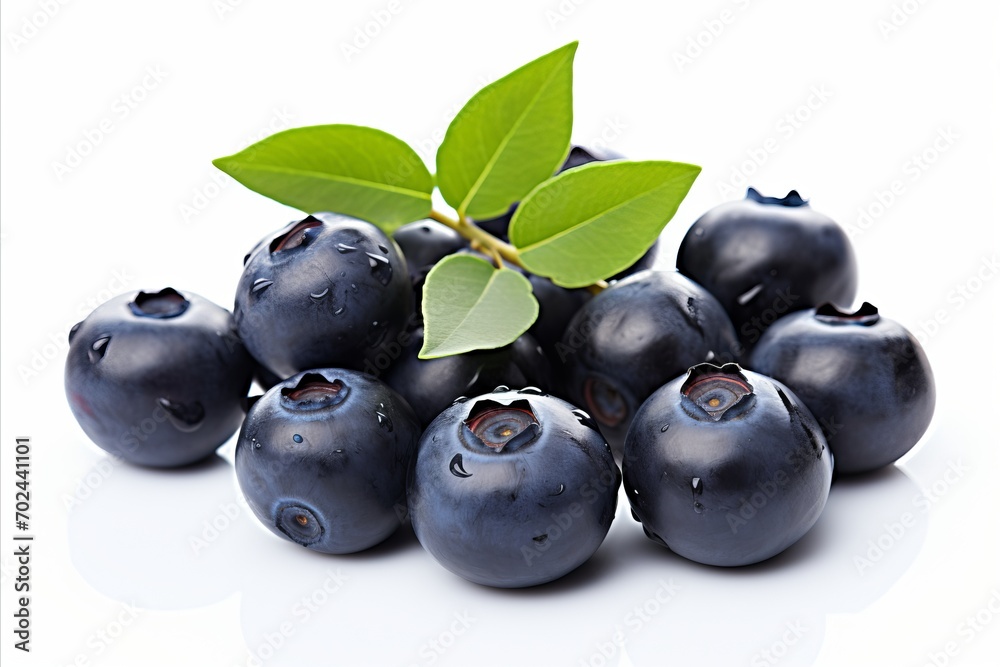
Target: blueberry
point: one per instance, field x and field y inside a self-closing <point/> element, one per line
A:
<point x="634" y="337"/>
<point x="322" y="460"/>
<point x="325" y="291"/>
<point x="726" y="467"/>
<point x="431" y="385"/>
<point x="763" y="257"/>
<point x="424" y="243"/>
<point x="556" y="307"/>
<point x="158" y="378"/>
<point x="512" y="488"/>
<point x="865" y="377"/>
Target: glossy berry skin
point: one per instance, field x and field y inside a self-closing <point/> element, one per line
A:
<point x="764" y="257"/>
<point x="726" y="467"/>
<point x="431" y="385"/>
<point x="424" y="243"/>
<point x="513" y="488"/>
<point x="158" y="378"/>
<point x="865" y="378"/>
<point x="635" y="336"/>
<point x="325" y="291"/>
<point x="322" y="460"/>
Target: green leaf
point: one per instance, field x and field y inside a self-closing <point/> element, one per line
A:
<point x="511" y="136"/>
<point x="349" y="169"/>
<point x="470" y="305"/>
<point x="589" y="223"/>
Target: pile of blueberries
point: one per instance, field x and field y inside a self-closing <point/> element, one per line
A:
<point x="731" y="391"/>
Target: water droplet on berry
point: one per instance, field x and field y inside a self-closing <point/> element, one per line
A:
<point x="344" y="248"/>
<point x="383" y="419"/>
<point x="696" y="485"/>
<point x="456" y="468"/>
<point x="698" y="507"/>
<point x="297" y="438"/>
<point x="535" y="391"/>
<point x="72" y="332"/>
<point x="559" y="491"/>
<point x="339" y="311"/>
<point x="501" y="388"/>
<point x="260" y="285"/>
<point x="383" y="248"/>
<point x="748" y="296"/>
<point x="318" y="296"/>
<point x="663" y="429"/>
<point x="460" y="399"/>
<point x="98" y="349"/>
<point x="381" y="268"/>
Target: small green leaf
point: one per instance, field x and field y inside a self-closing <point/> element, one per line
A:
<point x="511" y="136"/>
<point x="349" y="169"/>
<point x="470" y="305"/>
<point x="589" y="223"/>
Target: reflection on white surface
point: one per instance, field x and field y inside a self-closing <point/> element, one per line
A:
<point x="183" y="540"/>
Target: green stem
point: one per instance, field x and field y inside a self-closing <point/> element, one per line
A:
<point x="475" y="233"/>
<point x="492" y="245"/>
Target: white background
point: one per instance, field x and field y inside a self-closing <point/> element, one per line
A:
<point x="837" y="100"/>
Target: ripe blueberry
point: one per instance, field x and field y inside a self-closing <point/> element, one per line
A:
<point x="158" y="378"/>
<point x="513" y="488"/>
<point x="726" y="467"/>
<point x="322" y="460"/>
<point x="431" y="385"/>
<point x="864" y="377"/>
<point x="323" y="291"/>
<point x="634" y="337"/>
<point x="763" y="257"/>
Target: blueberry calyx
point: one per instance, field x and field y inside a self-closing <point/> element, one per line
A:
<point x="712" y="391"/>
<point x="296" y="236"/>
<point x="866" y="315"/>
<point x="792" y="199"/>
<point x="502" y="427"/>
<point x="314" y="392"/>
<point x="168" y="302"/>
<point x="299" y="524"/>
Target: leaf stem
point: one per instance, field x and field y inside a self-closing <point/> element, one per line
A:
<point x="491" y="244"/>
